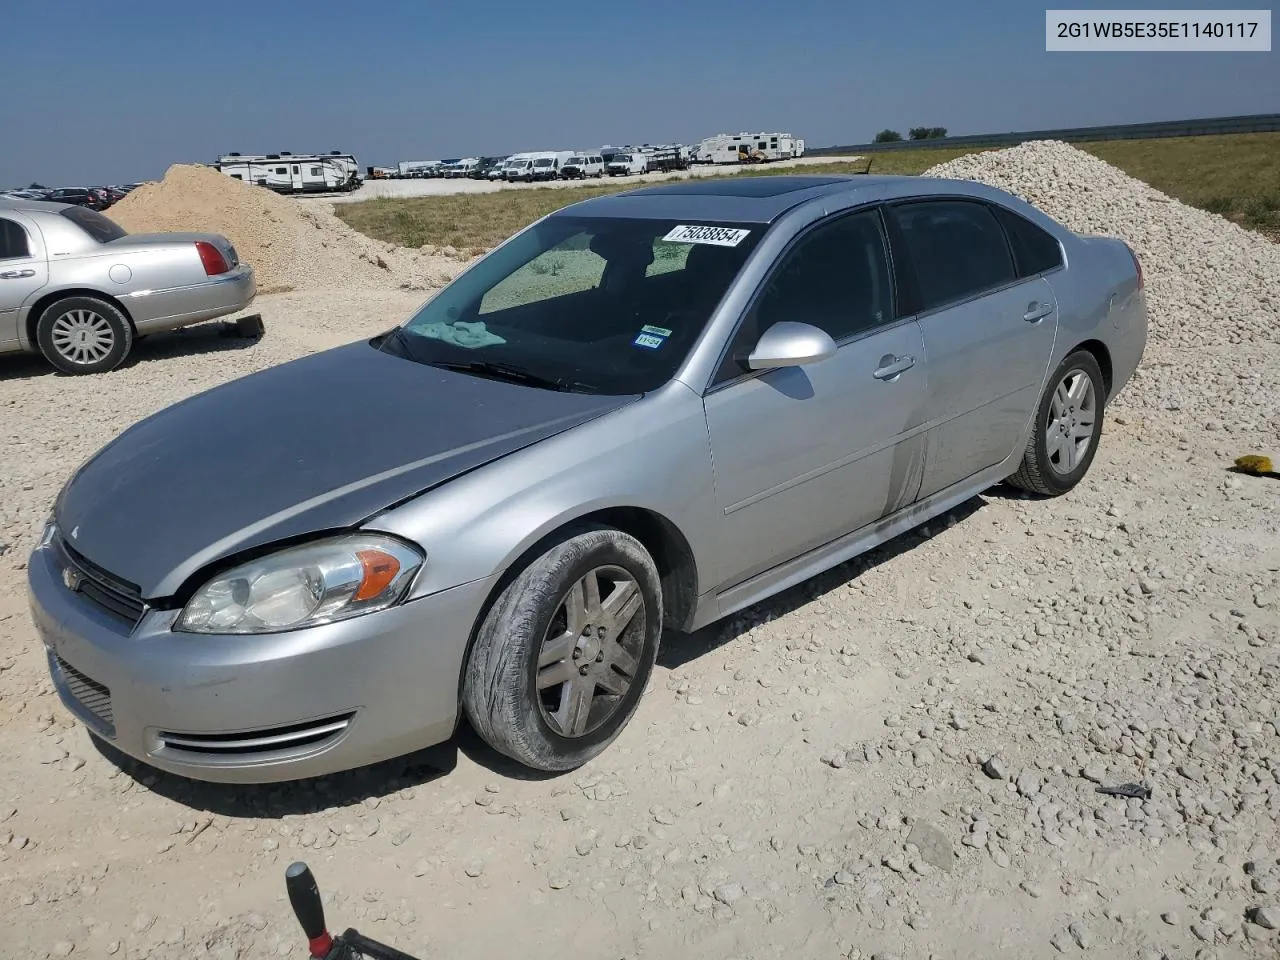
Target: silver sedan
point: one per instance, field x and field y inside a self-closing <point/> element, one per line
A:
<point x="644" y="411"/>
<point x="76" y="288"/>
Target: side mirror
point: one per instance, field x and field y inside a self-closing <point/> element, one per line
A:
<point x="788" y="344"/>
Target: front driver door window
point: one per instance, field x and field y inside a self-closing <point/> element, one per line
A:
<point x="804" y="455"/>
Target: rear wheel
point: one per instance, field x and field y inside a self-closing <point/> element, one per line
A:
<point x="563" y="656"/>
<point x="1067" y="428"/>
<point x="82" y="335"/>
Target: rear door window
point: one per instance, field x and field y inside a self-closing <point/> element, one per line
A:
<point x="95" y="224"/>
<point x="957" y="248"/>
<point x="13" y="240"/>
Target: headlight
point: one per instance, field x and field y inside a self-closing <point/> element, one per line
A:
<point x="304" y="586"/>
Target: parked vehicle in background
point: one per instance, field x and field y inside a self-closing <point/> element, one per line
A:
<point x="462" y="167"/>
<point x="79" y="196"/>
<point x="823" y="364"/>
<point x="416" y="168"/>
<point x="76" y="288"/>
<point x="668" y="157"/>
<point x="580" y="166"/>
<point x="626" y="164"/>
<point x="487" y="165"/>
<point x="547" y="163"/>
<point x="748" y="148"/>
<point x="519" y="170"/>
<point x="294" y="173"/>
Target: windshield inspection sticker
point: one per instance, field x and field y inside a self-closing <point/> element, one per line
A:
<point x="717" y="236"/>
<point x="649" y="340"/>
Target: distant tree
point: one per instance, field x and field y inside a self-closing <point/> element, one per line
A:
<point x="888" y="136"/>
<point x="937" y="133"/>
<point x="927" y="133"/>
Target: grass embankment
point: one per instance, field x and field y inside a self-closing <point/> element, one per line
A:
<point x="1237" y="176"/>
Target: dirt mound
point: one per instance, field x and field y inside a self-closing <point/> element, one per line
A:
<point x="288" y="246"/>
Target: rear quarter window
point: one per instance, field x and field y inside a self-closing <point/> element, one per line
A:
<point x="1034" y="250"/>
<point x="13" y="240"/>
<point x="95" y="224"/>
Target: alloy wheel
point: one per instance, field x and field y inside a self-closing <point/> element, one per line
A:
<point x="1072" y="415"/>
<point x="591" y="651"/>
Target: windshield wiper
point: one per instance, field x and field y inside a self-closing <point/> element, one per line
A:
<point x="507" y="371"/>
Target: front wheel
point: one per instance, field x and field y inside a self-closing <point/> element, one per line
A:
<point x="81" y="335"/>
<point x="562" y="658"/>
<point x="1067" y="428"/>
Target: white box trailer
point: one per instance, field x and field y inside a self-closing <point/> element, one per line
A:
<point x="294" y="173"/>
<point x="749" y="148"/>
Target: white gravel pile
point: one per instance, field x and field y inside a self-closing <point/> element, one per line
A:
<point x="1209" y="281"/>
<point x="1212" y="286"/>
<point x="289" y="245"/>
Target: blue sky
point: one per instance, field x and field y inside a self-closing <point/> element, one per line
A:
<point x="117" y="92"/>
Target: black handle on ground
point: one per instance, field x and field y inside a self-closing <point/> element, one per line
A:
<point x="304" y="895"/>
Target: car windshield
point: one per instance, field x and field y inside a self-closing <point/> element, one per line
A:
<point x="621" y="158"/>
<point x="95" y="224"/>
<point x="594" y="304"/>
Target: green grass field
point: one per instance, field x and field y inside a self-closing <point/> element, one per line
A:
<point x="1237" y="176"/>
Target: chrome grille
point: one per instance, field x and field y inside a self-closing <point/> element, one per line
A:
<point x="115" y="596"/>
<point x="90" y="694"/>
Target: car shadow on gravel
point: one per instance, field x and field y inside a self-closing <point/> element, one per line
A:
<point x="188" y="342"/>
<point x="269" y="801"/>
<point x="679" y="649"/>
<point x="298" y="797"/>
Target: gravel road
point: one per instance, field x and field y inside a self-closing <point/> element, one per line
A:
<point x="902" y="758"/>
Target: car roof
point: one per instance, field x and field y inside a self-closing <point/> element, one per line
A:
<point x="744" y="199"/>
<point x="31" y="206"/>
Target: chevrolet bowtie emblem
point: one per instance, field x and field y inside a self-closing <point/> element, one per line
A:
<point x="71" y="578"/>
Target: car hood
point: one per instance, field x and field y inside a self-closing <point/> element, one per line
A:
<point x="317" y="444"/>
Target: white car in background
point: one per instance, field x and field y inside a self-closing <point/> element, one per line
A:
<point x="78" y="289"/>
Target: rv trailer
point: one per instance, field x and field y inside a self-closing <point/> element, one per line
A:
<point x="749" y="148"/>
<point x="294" y="172"/>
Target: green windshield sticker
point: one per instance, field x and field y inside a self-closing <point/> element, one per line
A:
<point x="660" y="331"/>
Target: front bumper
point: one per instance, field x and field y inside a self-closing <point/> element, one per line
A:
<point x="259" y="709"/>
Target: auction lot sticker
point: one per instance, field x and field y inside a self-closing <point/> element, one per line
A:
<point x="717" y="236"/>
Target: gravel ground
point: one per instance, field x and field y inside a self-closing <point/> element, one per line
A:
<point x="374" y="189"/>
<point x="901" y="758"/>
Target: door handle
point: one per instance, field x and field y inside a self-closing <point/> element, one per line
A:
<point x="891" y="366"/>
<point x="16" y="274"/>
<point x="1037" y="311"/>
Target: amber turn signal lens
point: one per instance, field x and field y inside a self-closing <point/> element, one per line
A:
<point x="380" y="570"/>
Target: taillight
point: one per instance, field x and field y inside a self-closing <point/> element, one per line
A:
<point x="212" y="258"/>
<point x="1137" y="265"/>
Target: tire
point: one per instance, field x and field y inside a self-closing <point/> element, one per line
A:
<point x="82" y="335"/>
<point x="540" y="728"/>
<point x="1053" y="471"/>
